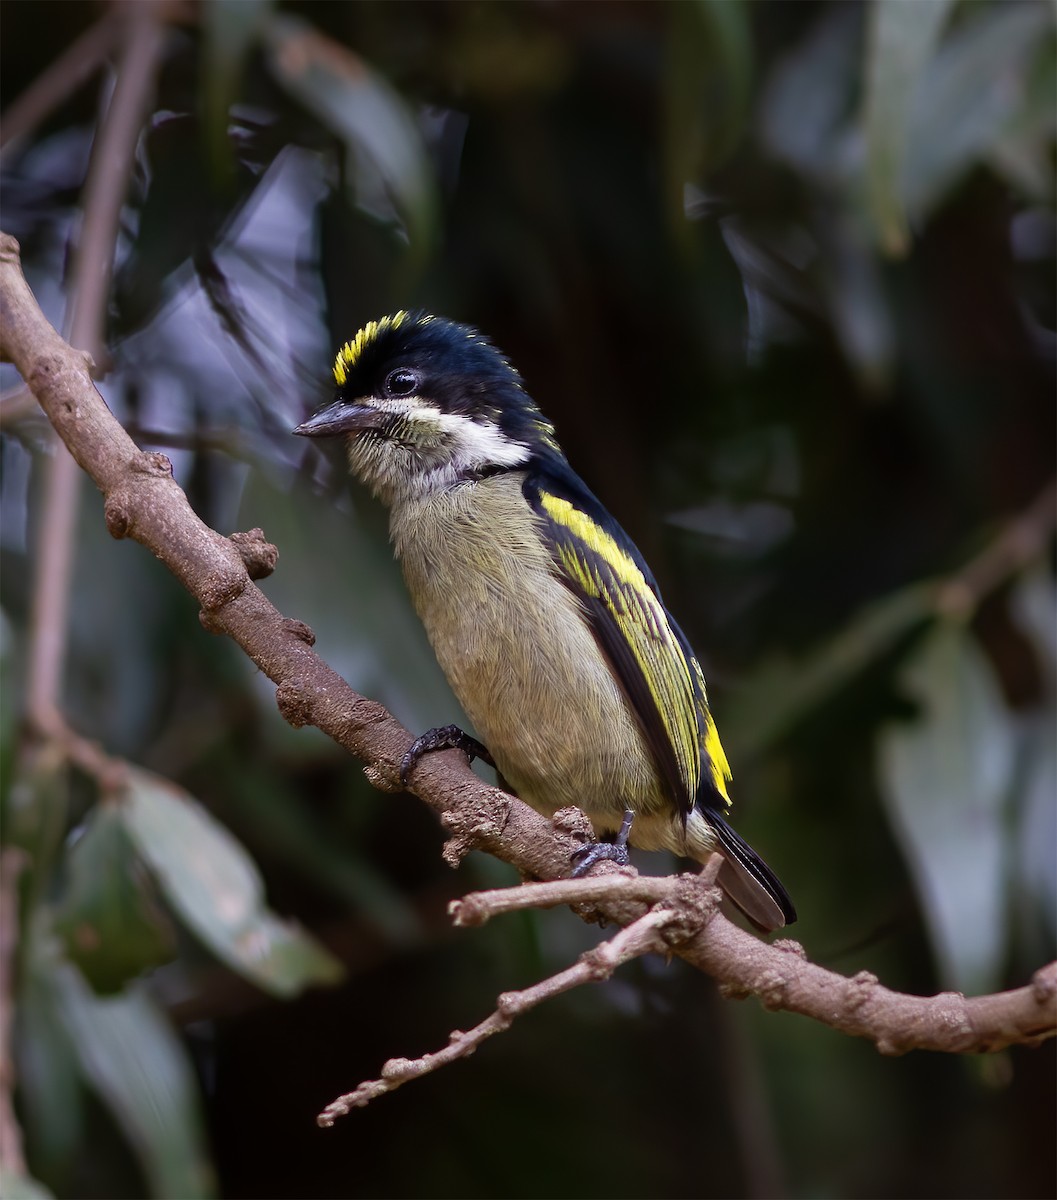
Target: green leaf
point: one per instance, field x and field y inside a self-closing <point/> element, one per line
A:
<point x="108" y="916"/>
<point x="216" y="890"/>
<point x="1033" y="605"/>
<point x="131" y="1057"/>
<point x="706" y="90"/>
<point x="783" y="691"/>
<point x="804" y="106"/>
<point x="230" y="27"/>
<point x="976" y="90"/>
<point x="280" y="821"/>
<point x="389" y="170"/>
<point x="1036" y="833"/>
<point x="900" y="41"/>
<point x="856" y="300"/>
<point x="16" y="1185"/>
<point x="946" y="779"/>
<point x="50" y="1091"/>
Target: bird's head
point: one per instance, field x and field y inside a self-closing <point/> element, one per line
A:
<point x="425" y="403"/>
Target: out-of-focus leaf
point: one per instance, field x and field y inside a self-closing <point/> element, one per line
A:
<point x="1035" y="867"/>
<point x="858" y="305"/>
<point x="117" y="672"/>
<point x="771" y="281"/>
<point x="1034" y="607"/>
<point x="131" y="1057"/>
<point x="706" y="89"/>
<point x="109" y="917"/>
<point x="973" y="92"/>
<point x="806" y="97"/>
<point x="214" y="887"/>
<point x="499" y="52"/>
<point x="901" y="41"/>
<point x="35" y="811"/>
<point x="782" y="692"/>
<point x="14" y="1185"/>
<point x="946" y="780"/>
<point x="355" y="601"/>
<point x="230" y="28"/>
<point x="1023" y="152"/>
<point x="50" y="1092"/>
<point x="280" y="819"/>
<point x="389" y="168"/>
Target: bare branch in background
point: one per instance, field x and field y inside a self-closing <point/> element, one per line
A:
<point x="55" y="85"/>
<point x="108" y="176"/>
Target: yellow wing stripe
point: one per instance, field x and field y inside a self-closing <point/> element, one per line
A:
<point x="717" y="758"/>
<point x="644" y="626"/>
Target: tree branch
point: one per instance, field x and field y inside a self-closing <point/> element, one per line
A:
<point x="599" y="963"/>
<point x="683" y="918"/>
<point x="143" y="502"/>
<point x="780" y="974"/>
<point x="104" y="195"/>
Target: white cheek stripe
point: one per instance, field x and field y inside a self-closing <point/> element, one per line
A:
<point x="471" y="444"/>
<point x="464" y="445"/>
<point x="476" y="445"/>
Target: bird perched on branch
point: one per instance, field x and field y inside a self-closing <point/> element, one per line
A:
<point x="541" y="611"/>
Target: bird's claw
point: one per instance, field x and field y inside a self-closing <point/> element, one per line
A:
<point x="444" y="737"/>
<point x="596" y="852"/>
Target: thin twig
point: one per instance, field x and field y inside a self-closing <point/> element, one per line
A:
<point x="16" y="404"/>
<point x="1017" y="544"/>
<point x="56" y="83"/>
<point x="145" y="503"/>
<point x="625" y="885"/>
<point x="599" y="963"/>
<point x="684" y="919"/>
<point x="479" y="907"/>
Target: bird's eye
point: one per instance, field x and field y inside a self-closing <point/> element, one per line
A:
<point x="401" y="382"/>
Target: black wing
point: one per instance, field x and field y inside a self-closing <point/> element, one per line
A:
<point x="660" y="675"/>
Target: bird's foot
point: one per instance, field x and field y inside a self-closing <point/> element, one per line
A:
<point x="596" y="852"/>
<point x="446" y="737"/>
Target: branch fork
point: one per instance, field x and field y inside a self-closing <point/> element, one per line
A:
<point x="143" y="502"/>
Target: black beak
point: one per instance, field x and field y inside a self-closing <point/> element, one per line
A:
<point x="341" y="417"/>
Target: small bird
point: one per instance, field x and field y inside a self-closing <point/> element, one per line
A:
<point x="540" y="609"/>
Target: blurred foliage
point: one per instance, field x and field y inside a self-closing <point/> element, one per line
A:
<point x="783" y="275"/>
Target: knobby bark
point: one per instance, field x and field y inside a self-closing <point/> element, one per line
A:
<point x="143" y="502"/>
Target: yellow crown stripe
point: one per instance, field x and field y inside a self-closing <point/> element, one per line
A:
<point x="351" y="352"/>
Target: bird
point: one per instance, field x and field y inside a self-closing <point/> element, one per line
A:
<point x="540" y="609"/>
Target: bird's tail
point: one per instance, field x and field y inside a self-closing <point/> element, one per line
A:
<point x="749" y="881"/>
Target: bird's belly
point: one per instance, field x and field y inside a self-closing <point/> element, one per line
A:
<point x="515" y="647"/>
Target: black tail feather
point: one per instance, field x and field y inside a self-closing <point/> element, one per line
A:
<point x="745" y="875"/>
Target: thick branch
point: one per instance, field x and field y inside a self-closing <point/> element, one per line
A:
<point x="783" y="978"/>
<point x="142" y="501"/>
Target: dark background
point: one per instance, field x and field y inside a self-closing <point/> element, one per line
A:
<point x="783" y="276"/>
